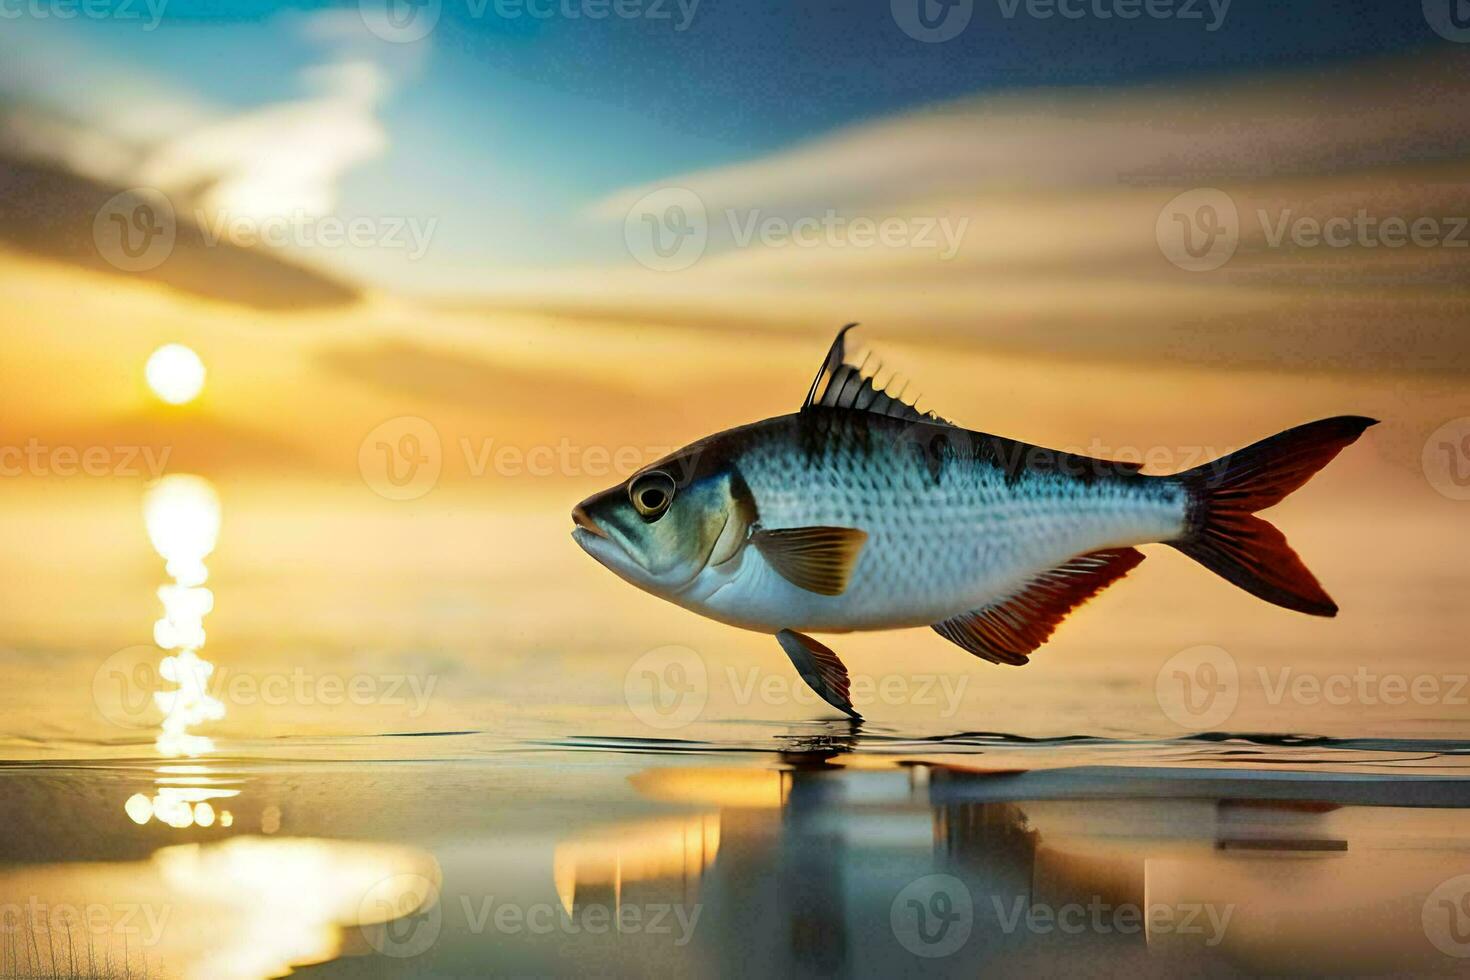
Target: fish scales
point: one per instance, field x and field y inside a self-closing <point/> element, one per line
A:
<point x="951" y="522"/>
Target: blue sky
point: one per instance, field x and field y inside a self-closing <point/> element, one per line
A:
<point x="507" y="130"/>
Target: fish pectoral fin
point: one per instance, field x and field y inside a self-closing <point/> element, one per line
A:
<point x="821" y="670"/>
<point x="818" y="559"/>
<point x="1006" y="632"/>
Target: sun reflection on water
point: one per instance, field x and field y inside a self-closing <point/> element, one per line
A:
<point x="182" y="513"/>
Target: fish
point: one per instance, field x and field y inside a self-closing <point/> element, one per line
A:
<point x="862" y="512"/>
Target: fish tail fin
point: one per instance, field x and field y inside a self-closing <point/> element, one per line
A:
<point x="1222" y="532"/>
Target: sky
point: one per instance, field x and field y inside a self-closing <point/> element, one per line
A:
<point x="553" y="204"/>
<point x="505" y="127"/>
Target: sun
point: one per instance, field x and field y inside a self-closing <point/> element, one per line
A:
<point x="175" y="373"/>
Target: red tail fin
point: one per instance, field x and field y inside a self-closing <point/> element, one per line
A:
<point x="1224" y="535"/>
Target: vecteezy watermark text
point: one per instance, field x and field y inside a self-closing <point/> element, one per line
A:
<point x="1205" y="919"/>
<point x="673" y="919"/>
<point x="407" y="21"/>
<point x="1200" y="230"/>
<point x="669" y="229"/>
<point x="36" y="458"/>
<point x="303" y="230"/>
<point x="937" y="21"/>
<point x="137" y="230"/>
<point x="406" y="913"/>
<point x="403" y="458"/>
<point x="142" y="923"/>
<point x="669" y="686"/>
<point x="933" y="917"/>
<point x="126" y="687"/>
<point x="120" y="10"/>
<point x="1211" y="13"/>
<point x="1200" y="688"/>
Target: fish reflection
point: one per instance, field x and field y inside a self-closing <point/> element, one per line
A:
<point x="604" y="867"/>
<point x="813" y="855"/>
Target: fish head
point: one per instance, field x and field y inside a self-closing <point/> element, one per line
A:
<point x="664" y="525"/>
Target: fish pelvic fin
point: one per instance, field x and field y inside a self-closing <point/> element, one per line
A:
<point x="1222" y="532"/>
<point x="1006" y="632"/>
<point x="821" y="669"/>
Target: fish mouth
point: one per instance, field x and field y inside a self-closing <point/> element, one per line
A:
<point x="584" y="520"/>
<point x="597" y="542"/>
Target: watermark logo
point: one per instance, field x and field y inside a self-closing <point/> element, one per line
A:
<point x="400" y="21"/>
<point x="1446" y="917"/>
<point x="1198" y="688"/>
<point x="932" y="21"/>
<point x="1199" y="229"/>
<point x="667" y="230"/>
<point x="932" y="917"/>
<point x="401" y="915"/>
<point x="401" y="459"/>
<point x="1450" y="19"/>
<point x="135" y="230"/>
<point x="124" y="684"/>
<point x="1446" y="459"/>
<point x="667" y="687"/>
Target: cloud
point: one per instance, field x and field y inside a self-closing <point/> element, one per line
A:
<point x="287" y="158"/>
<point x="76" y="137"/>
<point x="1391" y="112"/>
<point x="282" y="159"/>
<point x="1062" y="202"/>
<point x="116" y="123"/>
<point x="50" y="212"/>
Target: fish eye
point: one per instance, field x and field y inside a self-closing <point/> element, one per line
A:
<point x="651" y="493"/>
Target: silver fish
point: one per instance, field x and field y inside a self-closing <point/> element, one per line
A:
<point x="860" y="512"/>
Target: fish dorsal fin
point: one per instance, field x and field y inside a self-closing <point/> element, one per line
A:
<point x="820" y="668"/>
<point x="840" y="384"/>
<point x="1006" y="631"/>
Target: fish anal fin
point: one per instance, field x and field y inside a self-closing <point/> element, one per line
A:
<point x="1005" y="632"/>
<point x="821" y="669"/>
<point x="818" y="559"/>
